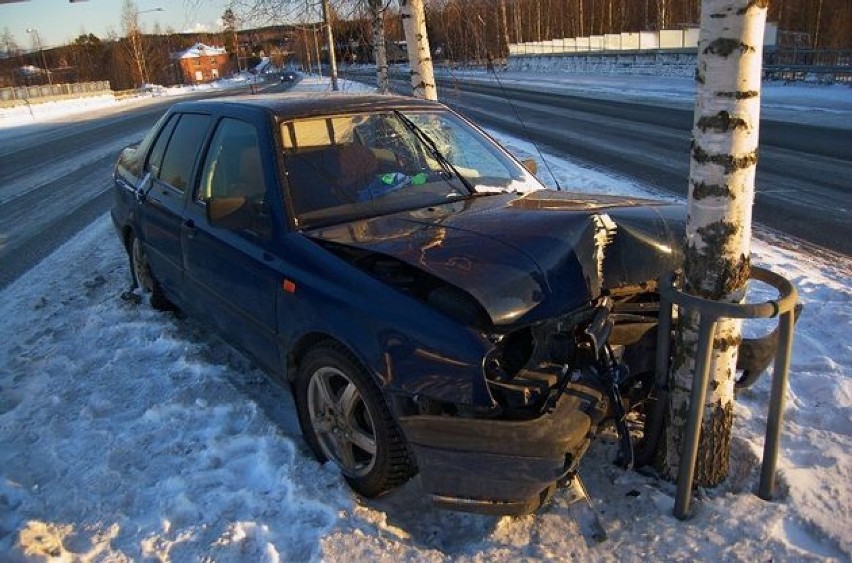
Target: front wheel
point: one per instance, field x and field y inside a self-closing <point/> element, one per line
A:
<point x="143" y="278"/>
<point x="345" y="420"/>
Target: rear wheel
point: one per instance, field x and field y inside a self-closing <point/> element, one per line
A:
<point x="144" y="279"/>
<point x="345" y="420"/>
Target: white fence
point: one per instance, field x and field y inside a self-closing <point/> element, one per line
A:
<point x="629" y="41"/>
<point x="46" y="92"/>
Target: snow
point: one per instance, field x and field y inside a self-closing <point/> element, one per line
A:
<point x="201" y="50"/>
<point x="24" y="115"/>
<point x="127" y="434"/>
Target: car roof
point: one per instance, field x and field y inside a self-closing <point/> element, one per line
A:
<point x="293" y="106"/>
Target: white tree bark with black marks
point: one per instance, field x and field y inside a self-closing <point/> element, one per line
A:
<point x="419" y="56"/>
<point x="329" y="36"/>
<point x="377" y="14"/>
<point x="718" y="230"/>
<point x="504" y="27"/>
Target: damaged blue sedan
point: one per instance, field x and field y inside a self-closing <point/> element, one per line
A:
<point x="435" y="309"/>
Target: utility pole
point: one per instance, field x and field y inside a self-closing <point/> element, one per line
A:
<point x="417" y="41"/>
<point x="329" y="34"/>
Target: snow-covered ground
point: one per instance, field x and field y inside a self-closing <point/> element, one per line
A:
<point x="129" y="434"/>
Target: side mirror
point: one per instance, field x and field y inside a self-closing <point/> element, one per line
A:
<point x="531" y="165"/>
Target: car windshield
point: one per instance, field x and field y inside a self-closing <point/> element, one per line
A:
<point x="347" y="167"/>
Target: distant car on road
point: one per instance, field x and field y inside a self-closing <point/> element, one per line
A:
<point x="434" y="308"/>
<point x="289" y="76"/>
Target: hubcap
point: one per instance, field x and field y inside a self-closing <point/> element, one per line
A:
<point x="342" y="422"/>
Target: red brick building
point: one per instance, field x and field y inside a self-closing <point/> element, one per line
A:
<point x="201" y="63"/>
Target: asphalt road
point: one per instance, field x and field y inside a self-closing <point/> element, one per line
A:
<point x="56" y="177"/>
<point x="804" y="175"/>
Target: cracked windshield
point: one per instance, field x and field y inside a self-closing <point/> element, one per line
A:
<point x="353" y="166"/>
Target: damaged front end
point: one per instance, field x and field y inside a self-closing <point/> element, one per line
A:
<point x="561" y="288"/>
<point x="555" y="383"/>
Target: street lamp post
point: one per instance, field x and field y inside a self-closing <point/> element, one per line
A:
<point x="41" y="52"/>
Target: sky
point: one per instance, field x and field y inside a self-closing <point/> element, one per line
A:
<point x="58" y="22"/>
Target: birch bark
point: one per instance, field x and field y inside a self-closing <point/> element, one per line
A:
<point x="377" y="15"/>
<point x="718" y="232"/>
<point x="419" y="56"/>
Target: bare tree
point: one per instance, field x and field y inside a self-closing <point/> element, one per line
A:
<point x="8" y="46"/>
<point x="718" y="232"/>
<point x="229" y="24"/>
<point x="134" y="40"/>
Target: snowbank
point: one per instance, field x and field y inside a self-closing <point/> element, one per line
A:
<point x="22" y="115"/>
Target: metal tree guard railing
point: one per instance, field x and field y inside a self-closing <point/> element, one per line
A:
<point x="710" y="312"/>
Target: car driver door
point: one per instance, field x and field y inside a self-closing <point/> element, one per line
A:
<point x="227" y="241"/>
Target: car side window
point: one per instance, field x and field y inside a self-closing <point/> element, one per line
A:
<point x="183" y="149"/>
<point x="155" y="158"/>
<point x="232" y="182"/>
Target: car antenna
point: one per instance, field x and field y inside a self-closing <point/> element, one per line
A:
<point x="514" y="109"/>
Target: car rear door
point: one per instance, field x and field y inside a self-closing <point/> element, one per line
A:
<point x="230" y="265"/>
<point x="170" y="166"/>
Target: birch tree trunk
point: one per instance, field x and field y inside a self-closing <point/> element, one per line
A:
<point x="329" y="35"/>
<point x="504" y="26"/>
<point x="419" y="56"/>
<point x="319" y="56"/>
<point x="718" y="230"/>
<point x="308" y="51"/>
<point x="377" y="14"/>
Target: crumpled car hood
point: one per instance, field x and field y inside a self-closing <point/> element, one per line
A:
<point x="531" y="257"/>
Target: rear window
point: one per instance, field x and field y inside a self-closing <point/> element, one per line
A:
<point x="182" y="151"/>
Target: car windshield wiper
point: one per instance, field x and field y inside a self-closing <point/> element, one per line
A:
<point x="434" y="151"/>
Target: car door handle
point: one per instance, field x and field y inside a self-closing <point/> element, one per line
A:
<point x="191" y="230"/>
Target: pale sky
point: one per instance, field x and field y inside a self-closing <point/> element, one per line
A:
<point x="58" y="22"/>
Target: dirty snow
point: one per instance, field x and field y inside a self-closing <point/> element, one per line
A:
<point x="127" y="434"/>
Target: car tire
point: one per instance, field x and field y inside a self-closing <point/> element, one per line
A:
<point x="143" y="277"/>
<point x="345" y="419"/>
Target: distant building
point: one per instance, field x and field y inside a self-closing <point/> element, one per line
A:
<point x="201" y="63"/>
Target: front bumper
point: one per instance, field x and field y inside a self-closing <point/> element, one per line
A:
<point x="503" y="466"/>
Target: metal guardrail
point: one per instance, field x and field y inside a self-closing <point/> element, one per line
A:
<point x="710" y="313"/>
